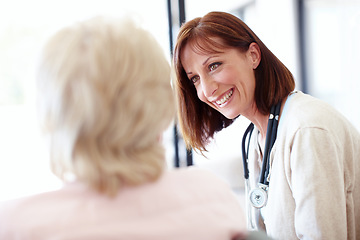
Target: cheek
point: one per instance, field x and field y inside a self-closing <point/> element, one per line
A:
<point x="228" y="77"/>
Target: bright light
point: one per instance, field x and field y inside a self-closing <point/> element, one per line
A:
<point x="24" y="27"/>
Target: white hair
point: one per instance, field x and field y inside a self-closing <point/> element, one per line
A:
<point x="104" y="100"/>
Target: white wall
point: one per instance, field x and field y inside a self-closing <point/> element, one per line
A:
<point x="334" y="54"/>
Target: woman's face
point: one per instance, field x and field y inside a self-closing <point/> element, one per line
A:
<point x="225" y="81"/>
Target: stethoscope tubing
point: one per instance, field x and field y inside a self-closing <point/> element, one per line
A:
<point x="248" y="132"/>
<point x="271" y="135"/>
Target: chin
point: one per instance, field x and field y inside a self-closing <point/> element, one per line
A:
<point x="230" y="115"/>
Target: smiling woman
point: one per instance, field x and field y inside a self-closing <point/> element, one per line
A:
<point x="202" y="44"/>
<point x="223" y="79"/>
<point x="295" y="155"/>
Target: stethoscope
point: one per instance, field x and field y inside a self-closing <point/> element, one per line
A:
<point x="258" y="196"/>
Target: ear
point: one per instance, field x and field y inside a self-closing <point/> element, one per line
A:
<point x="255" y="54"/>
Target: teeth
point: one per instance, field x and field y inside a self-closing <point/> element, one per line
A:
<point x="225" y="98"/>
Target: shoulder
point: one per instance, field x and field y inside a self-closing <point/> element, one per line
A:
<point x="198" y="184"/>
<point x="196" y="177"/>
<point x="304" y="111"/>
<point x="307" y="109"/>
<point x="17" y="215"/>
<point x="40" y="206"/>
<point x="185" y="195"/>
<point x="308" y="124"/>
<point x="14" y="206"/>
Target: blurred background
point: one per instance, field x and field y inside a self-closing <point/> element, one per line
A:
<point x="318" y="40"/>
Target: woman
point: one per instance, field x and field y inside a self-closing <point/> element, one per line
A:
<point x="304" y="184"/>
<point x="100" y="82"/>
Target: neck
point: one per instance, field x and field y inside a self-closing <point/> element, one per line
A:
<point x="258" y="119"/>
<point x="261" y="121"/>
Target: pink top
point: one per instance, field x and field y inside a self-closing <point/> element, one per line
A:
<point x="183" y="204"/>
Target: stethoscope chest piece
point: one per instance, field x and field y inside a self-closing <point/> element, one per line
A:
<point x="258" y="196"/>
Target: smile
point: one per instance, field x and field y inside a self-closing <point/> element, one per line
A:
<point x="225" y="98"/>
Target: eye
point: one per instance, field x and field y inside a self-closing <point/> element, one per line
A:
<point x="214" y="66"/>
<point x="194" y="79"/>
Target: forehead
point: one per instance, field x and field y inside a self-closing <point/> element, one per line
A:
<point x="200" y="47"/>
<point x="206" y="45"/>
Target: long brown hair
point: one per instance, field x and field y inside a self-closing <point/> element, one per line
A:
<point x="198" y="121"/>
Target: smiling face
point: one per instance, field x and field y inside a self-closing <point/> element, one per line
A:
<point x="224" y="80"/>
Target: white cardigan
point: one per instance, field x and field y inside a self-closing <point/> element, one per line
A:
<point x="314" y="190"/>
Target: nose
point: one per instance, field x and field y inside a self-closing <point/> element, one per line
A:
<point x="208" y="86"/>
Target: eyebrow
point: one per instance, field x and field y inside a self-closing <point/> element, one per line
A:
<point x="188" y="73"/>
<point x="207" y="60"/>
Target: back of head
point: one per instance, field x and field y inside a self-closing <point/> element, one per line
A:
<point x="104" y="100"/>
